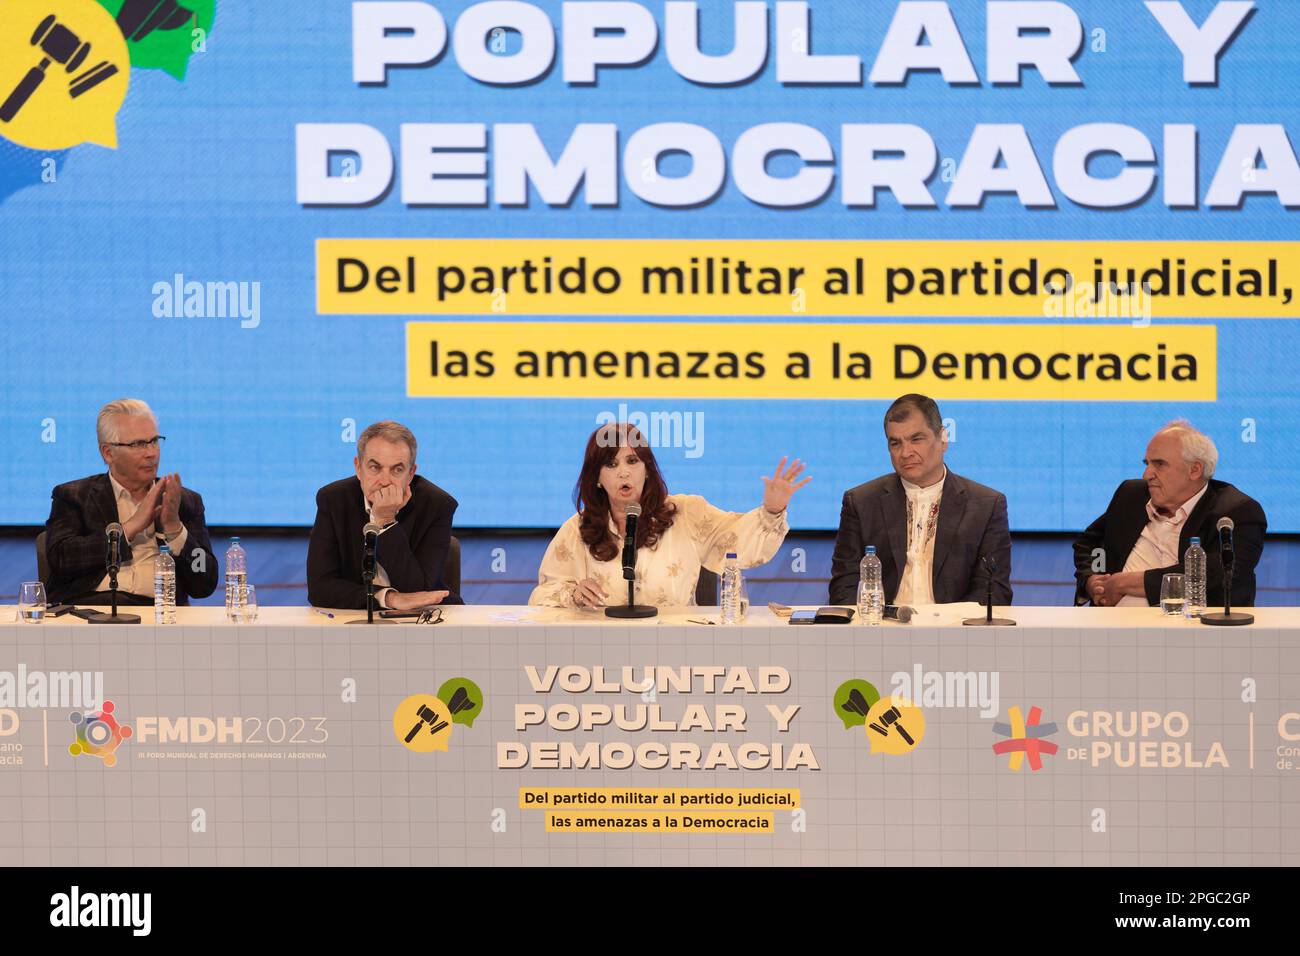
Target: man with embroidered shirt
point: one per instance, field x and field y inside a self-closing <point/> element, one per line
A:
<point x="151" y="510"/>
<point x="415" y="517"/>
<point x="932" y="528"/>
<point x="1149" y="524"/>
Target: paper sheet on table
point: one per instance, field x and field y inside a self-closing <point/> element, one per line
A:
<point x="945" y="615"/>
<point x="551" y="615"/>
<point x="531" y="615"/>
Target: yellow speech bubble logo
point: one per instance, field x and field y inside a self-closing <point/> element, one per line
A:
<point x="894" y="726"/>
<point x="64" y="70"/>
<point x="422" y="723"/>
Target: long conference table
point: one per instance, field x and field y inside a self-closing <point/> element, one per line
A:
<point x="539" y="736"/>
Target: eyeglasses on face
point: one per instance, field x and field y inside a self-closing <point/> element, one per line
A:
<point x="140" y="445"/>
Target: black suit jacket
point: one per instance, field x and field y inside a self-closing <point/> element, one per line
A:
<point x="76" y="546"/>
<point x="412" y="552"/>
<point x="972" y="525"/>
<point x="1116" y="531"/>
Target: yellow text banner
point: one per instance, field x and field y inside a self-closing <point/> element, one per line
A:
<point x="699" y="277"/>
<point x="713" y="824"/>
<point x="751" y="360"/>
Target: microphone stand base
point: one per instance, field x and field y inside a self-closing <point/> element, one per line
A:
<point x="632" y="611"/>
<point x="116" y="619"/>
<point x="988" y="622"/>
<point x="1230" y="619"/>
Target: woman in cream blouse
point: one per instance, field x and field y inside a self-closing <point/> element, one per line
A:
<point x="676" y="534"/>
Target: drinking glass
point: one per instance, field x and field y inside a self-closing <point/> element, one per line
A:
<point x="1172" y="595"/>
<point x="31" y="602"/>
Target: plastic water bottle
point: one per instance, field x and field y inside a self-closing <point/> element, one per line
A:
<point x="1194" y="579"/>
<point x="164" y="587"/>
<point x="871" y="589"/>
<point x="236" y="581"/>
<point x="731" y="589"/>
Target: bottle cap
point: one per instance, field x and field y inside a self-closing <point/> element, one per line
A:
<point x="731" y="554"/>
<point x="163" y="549"/>
<point x="1196" y="540"/>
<point x="871" y="549"/>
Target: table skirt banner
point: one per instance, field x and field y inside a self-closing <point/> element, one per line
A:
<point x="504" y="738"/>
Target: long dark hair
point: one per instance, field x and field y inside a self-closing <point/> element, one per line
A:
<point x="593" y="503"/>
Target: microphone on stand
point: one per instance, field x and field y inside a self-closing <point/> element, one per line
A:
<point x="113" y="563"/>
<point x="988" y="620"/>
<point x="370" y="535"/>
<point x="114" y="560"/>
<point x="1225" y="528"/>
<point x="370" y="545"/>
<point x="631" y="609"/>
<point x="629" y="543"/>
<point x="1227" y="617"/>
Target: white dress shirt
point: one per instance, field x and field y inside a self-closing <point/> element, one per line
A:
<point x="916" y="584"/>
<point x="700" y="536"/>
<point x="1157" y="547"/>
<point x="136" y="575"/>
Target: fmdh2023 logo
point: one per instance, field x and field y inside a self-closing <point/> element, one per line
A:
<point x="98" y="734"/>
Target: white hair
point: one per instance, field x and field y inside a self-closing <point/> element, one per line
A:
<point x="106" y="427"/>
<point x="1196" y="445"/>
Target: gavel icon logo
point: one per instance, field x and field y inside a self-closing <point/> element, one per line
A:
<point x="890" y="718"/>
<point x="59" y="45"/>
<point x="427" y="718"/>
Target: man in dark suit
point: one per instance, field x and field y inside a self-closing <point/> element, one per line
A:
<point x="415" y="516"/>
<point x="1147" y="528"/>
<point x="151" y="510"/>
<point x="932" y="528"/>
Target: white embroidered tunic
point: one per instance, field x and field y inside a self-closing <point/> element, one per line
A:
<point x="701" y="536"/>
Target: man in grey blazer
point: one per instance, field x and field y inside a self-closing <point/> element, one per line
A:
<point x="932" y="529"/>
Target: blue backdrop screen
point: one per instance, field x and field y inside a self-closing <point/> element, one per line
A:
<point x="272" y="133"/>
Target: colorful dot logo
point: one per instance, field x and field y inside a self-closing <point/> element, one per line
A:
<point x="1025" y="738"/>
<point x="98" y="735"/>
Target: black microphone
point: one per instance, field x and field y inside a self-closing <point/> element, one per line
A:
<point x="629" y="543"/>
<point x="1226" y="617"/>
<point x="114" y="559"/>
<point x="631" y="610"/>
<point x="898" y="612"/>
<point x="1224" y="527"/>
<point x="370" y="533"/>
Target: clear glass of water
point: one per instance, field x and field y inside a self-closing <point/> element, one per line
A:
<point x="744" y="600"/>
<point x="250" y="605"/>
<point x="1172" y="595"/>
<point x="31" y="602"/>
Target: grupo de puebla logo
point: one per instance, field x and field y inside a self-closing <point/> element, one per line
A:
<point x="65" y="65"/>
<point x="98" y="734"/>
<point x="1134" y="739"/>
<point x="893" y="725"/>
<point x="1140" y="739"/>
<point x="1025" y="738"/>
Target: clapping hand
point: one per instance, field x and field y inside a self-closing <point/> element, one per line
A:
<point x="148" y="511"/>
<point x="169" y="509"/>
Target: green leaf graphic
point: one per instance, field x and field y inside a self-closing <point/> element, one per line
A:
<point x="163" y="34"/>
